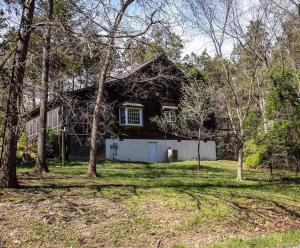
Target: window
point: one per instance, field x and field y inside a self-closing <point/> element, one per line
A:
<point x="52" y="122"/>
<point x="170" y="116"/>
<point x="52" y="118"/>
<point x="32" y="127"/>
<point x="130" y="116"/>
<point x="134" y="116"/>
<point x="55" y="117"/>
<point x="123" y="116"/>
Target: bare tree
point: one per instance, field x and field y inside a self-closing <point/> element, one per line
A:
<point x="107" y="57"/>
<point x="111" y="26"/>
<point x="196" y="110"/>
<point x="221" y="21"/>
<point x="8" y="176"/>
<point x="41" y="163"/>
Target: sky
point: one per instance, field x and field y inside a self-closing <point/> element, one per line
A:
<point x="197" y="43"/>
<point x="193" y="41"/>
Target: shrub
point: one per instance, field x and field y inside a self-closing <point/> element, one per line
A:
<point x="52" y="146"/>
<point x="253" y="153"/>
<point x="22" y="142"/>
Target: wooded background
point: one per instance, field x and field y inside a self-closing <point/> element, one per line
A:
<point x="48" y="46"/>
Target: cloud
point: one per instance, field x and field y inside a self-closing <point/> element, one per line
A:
<point x="198" y="43"/>
<point x="194" y="42"/>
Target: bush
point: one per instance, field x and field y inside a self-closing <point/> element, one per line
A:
<point x="275" y="149"/>
<point x="52" y="146"/>
<point x="253" y="153"/>
<point x="22" y="142"/>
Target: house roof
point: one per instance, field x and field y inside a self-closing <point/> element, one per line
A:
<point x="135" y="68"/>
<point x="120" y="76"/>
<point x="124" y="74"/>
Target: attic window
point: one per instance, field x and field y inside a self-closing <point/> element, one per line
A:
<point x="131" y="115"/>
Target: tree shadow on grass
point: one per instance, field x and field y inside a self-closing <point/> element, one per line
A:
<point x="249" y="210"/>
<point x="279" y="180"/>
<point x="192" y="189"/>
<point x="277" y="203"/>
<point x="177" y="176"/>
<point x="140" y="171"/>
<point x="166" y="179"/>
<point x="164" y="170"/>
<point x="124" y="165"/>
<point x="26" y="166"/>
<point x="176" y="184"/>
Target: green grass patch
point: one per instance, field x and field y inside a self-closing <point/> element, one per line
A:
<point x="139" y="204"/>
<point x="275" y="240"/>
<point x="210" y="214"/>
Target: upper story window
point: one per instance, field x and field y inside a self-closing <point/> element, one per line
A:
<point x="170" y="116"/>
<point x="169" y="111"/>
<point x="134" y="116"/>
<point x="131" y="114"/>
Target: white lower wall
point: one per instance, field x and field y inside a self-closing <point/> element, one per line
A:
<point x="137" y="149"/>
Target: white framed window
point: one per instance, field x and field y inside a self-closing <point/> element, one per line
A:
<point x="53" y="118"/>
<point x="170" y="116"/>
<point x="131" y="116"/>
<point x="134" y="116"/>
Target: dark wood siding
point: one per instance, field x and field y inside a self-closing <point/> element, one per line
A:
<point x="156" y="82"/>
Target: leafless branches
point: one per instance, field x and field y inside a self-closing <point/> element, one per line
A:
<point x="222" y="20"/>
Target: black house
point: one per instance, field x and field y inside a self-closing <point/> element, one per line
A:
<point x="132" y="98"/>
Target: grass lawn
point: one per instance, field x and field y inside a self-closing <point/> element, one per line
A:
<point x="151" y="205"/>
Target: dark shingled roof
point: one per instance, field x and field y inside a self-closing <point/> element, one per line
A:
<point x="137" y="68"/>
<point x="120" y="76"/>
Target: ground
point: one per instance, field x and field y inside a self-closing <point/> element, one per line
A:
<point x="151" y="205"/>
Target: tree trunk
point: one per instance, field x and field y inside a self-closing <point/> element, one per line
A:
<point x="63" y="148"/>
<point x="240" y="163"/>
<point x="270" y="171"/>
<point x="8" y="177"/>
<point x="33" y="98"/>
<point x="262" y="105"/>
<point x="41" y="163"/>
<point x="199" y="158"/>
<point x="198" y="150"/>
<point x="92" y="171"/>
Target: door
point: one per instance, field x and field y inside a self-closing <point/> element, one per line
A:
<point x="152" y="152"/>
